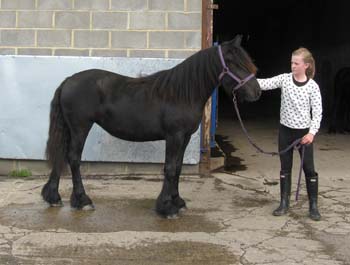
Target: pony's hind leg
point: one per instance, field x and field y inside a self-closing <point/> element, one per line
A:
<point x="79" y="199"/>
<point x="50" y="190"/>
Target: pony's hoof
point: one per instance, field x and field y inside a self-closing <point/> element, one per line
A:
<point x="183" y="209"/>
<point x="167" y="209"/>
<point x="57" y="204"/>
<point x="89" y="207"/>
<point x="80" y="201"/>
<point x="179" y="202"/>
<point x="51" y="196"/>
<point x="172" y="216"/>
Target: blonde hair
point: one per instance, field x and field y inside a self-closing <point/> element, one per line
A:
<point x="307" y="58"/>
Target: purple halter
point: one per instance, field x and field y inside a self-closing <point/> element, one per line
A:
<point x="226" y="71"/>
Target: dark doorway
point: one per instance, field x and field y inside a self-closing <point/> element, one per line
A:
<point x="272" y="30"/>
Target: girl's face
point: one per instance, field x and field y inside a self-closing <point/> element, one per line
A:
<point x="298" y="66"/>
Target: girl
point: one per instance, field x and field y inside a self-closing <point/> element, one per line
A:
<point x="300" y="117"/>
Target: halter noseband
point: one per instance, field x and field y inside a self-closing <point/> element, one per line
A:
<point x="226" y="71"/>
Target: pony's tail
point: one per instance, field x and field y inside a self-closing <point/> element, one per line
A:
<point x="59" y="136"/>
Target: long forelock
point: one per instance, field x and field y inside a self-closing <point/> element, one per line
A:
<point x="243" y="59"/>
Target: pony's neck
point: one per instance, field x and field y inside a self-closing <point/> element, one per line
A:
<point x="208" y="74"/>
<point x="190" y="82"/>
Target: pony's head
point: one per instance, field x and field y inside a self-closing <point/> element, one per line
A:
<point x="242" y="67"/>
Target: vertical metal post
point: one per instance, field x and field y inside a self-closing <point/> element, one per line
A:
<point x="207" y="41"/>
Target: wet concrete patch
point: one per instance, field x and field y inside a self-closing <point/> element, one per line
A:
<point x="218" y="184"/>
<point x="109" y="216"/>
<point x="251" y="202"/>
<point x="232" y="163"/>
<point x="142" y="178"/>
<point x="176" y="252"/>
<point x="9" y="260"/>
<point x="336" y="245"/>
<point x="329" y="149"/>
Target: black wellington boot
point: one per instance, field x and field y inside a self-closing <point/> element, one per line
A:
<point x="312" y="192"/>
<point x="285" y="187"/>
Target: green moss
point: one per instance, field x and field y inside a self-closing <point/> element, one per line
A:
<point x="20" y="173"/>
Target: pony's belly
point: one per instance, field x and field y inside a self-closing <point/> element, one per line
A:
<point x="133" y="133"/>
<point x="137" y="138"/>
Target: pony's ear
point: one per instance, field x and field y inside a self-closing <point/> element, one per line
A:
<point x="236" y="40"/>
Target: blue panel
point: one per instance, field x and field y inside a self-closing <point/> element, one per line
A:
<point x="214" y="108"/>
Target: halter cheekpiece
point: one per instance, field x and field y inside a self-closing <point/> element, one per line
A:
<point x="227" y="71"/>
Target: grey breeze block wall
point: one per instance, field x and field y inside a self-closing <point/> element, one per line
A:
<point x="118" y="28"/>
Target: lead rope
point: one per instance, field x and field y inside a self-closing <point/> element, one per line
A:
<point x="296" y="144"/>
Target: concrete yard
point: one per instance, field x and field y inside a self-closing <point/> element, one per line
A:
<point x="228" y="220"/>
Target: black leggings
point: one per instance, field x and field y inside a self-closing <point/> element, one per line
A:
<point x="286" y="137"/>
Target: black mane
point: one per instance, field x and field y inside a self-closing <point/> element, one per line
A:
<point x="194" y="78"/>
<point x="187" y="82"/>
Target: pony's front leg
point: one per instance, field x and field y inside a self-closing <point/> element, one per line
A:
<point x="177" y="200"/>
<point x="165" y="204"/>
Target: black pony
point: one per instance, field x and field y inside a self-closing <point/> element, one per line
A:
<point x="167" y="105"/>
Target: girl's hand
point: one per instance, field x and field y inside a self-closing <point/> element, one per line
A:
<point x="307" y="139"/>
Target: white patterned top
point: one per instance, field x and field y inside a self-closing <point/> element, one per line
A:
<point x="301" y="106"/>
